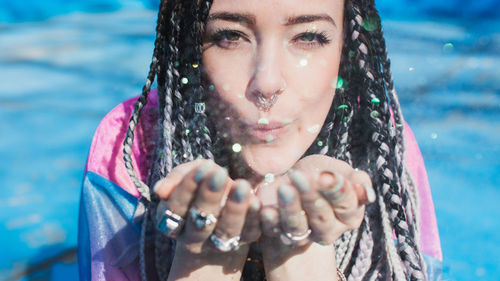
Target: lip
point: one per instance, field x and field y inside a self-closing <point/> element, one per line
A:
<point x="267" y="132"/>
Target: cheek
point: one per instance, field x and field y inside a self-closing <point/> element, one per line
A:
<point x="227" y="74"/>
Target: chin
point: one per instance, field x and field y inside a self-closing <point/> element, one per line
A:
<point x="264" y="160"/>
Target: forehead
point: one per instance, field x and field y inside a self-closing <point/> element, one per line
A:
<point x="279" y="9"/>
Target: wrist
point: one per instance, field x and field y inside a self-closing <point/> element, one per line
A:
<point x="207" y="265"/>
<point x="311" y="262"/>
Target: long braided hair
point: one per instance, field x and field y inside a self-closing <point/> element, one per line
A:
<point x="364" y="127"/>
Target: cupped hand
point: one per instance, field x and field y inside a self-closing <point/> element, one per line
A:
<point x="210" y="203"/>
<point x="317" y="201"/>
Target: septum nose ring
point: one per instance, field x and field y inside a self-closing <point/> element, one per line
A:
<point x="264" y="103"/>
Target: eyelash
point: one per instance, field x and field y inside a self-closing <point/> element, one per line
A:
<point x="319" y="39"/>
<point x="220" y="38"/>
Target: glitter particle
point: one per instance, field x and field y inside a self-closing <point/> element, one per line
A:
<point x="411" y="68"/>
<point x="314" y="128"/>
<point x="340" y="83"/>
<point x="269" y="138"/>
<point x="269" y="178"/>
<point x="375" y="100"/>
<point x="320" y="143"/>
<point x="303" y="62"/>
<point x="188" y="131"/>
<point x="195" y="65"/>
<point x="371" y="23"/>
<point x="448" y="48"/>
<point x="237" y="147"/>
<point x="263" y="121"/>
<point x="434" y="136"/>
<point x="342" y="106"/>
<point x="374" y="114"/>
<point x="211" y="87"/>
<point x="184" y="80"/>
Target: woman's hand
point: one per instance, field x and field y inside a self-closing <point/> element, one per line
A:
<point x="317" y="201"/>
<point x="196" y="191"/>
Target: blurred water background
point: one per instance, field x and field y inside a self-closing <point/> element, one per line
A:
<point x="65" y="63"/>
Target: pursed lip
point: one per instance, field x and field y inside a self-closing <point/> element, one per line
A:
<point x="269" y="131"/>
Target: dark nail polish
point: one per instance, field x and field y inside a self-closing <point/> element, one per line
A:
<point x="218" y="180"/>
<point x="203" y="171"/>
<point x="240" y="191"/>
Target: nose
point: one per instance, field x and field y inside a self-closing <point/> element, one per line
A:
<point x="267" y="79"/>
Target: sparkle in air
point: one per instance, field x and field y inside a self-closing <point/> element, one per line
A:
<point x="269" y="178"/>
<point x="269" y="138"/>
<point x="448" y="48"/>
<point x="411" y="68"/>
<point x="434" y="136"/>
<point x="184" y="80"/>
<point x="237" y="147"/>
<point x="303" y="62"/>
<point x="313" y="129"/>
<point x="263" y="121"/>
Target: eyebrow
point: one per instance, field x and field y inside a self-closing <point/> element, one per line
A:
<point x="250" y="19"/>
<point x="233" y="17"/>
<point x="309" y="18"/>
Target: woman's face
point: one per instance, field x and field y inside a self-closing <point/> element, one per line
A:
<point x="287" y="48"/>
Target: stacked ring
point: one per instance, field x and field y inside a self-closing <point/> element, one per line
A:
<point x="201" y="219"/>
<point x="288" y="238"/>
<point x="231" y="244"/>
<point x="170" y="223"/>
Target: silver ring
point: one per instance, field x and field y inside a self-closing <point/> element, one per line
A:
<point x="170" y="223"/>
<point x="231" y="244"/>
<point x="264" y="103"/>
<point x="201" y="219"/>
<point x="288" y="238"/>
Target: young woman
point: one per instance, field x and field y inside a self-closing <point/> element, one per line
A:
<point x="274" y="147"/>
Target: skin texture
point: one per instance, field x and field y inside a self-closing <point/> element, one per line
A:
<point x="265" y="51"/>
<point x="272" y="47"/>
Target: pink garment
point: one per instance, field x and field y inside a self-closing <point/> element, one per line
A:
<point x="106" y="159"/>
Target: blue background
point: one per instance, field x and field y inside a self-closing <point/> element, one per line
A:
<point x="65" y="64"/>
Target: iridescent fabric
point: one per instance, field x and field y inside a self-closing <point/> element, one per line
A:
<point x="109" y="223"/>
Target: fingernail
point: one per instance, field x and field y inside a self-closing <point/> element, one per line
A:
<point x="269" y="217"/>
<point x="254" y="205"/>
<point x="218" y="180"/>
<point x="299" y="180"/>
<point x="240" y="191"/>
<point x="203" y="171"/>
<point x="370" y="193"/>
<point x="158" y="184"/>
<point x="285" y="194"/>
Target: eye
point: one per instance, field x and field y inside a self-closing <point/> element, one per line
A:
<point x="227" y="38"/>
<point x="311" y="39"/>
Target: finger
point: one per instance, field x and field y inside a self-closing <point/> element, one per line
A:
<point x="232" y="217"/>
<point x="270" y="221"/>
<point x="341" y="195"/>
<point x="208" y="204"/>
<point x="251" y="230"/>
<point x="363" y="187"/>
<point x="164" y="187"/>
<point x="180" y="198"/>
<point x="292" y="216"/>
<point x="319" y="213"/>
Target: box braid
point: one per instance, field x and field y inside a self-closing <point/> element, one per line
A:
<point x="358" y="130"/>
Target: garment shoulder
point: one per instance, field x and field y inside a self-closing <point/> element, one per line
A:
<point x="106" y="151"/>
